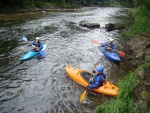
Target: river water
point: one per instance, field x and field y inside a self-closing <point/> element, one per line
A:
<point x="35" y="86"/>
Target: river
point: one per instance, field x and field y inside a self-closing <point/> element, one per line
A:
<point x="35" y="86"/>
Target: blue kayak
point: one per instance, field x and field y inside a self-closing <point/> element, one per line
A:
<point x="110" y="55"/>
<point x="32" y="53"/>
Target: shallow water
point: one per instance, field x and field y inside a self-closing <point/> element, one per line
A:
<point x="37" y="87"/>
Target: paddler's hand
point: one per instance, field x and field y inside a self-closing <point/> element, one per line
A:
<point x="87" y="88"/>
<point x="94" y="71"/>
<point x="113" y="50"/>
<point x="37" y="48"/>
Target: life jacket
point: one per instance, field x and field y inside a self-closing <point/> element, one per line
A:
<point x="37" y="44"/>
<point x="109" y="47"/>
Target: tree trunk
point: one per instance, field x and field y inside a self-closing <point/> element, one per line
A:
<point x="140" y="3"/>
<point x="33" y="4"/>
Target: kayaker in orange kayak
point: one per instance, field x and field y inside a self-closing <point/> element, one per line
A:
<point x="98" y="78"/>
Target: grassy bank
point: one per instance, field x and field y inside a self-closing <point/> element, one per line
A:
<point x="124" y="102"/>
<point x="142" y="23"/>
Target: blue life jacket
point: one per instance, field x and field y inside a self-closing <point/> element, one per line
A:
<point x="109" y="45"/>
<point x="98" y="81"/>
<point x="39" y="44"/>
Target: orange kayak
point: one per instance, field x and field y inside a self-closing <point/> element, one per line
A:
<point x="82" y="77"/>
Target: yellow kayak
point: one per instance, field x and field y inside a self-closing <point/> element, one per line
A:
<point x="82" y="77"/>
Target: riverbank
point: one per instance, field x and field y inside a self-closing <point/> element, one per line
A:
<point x="37" y="10"/>
<point x="134" y="94"/>
<point x="40" y="6"/>
<point x="139" y="49"/>
<point x="16" y="11"/>
<point x="49" y="7"/>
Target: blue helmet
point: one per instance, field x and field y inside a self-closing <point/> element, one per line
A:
<point x="99" y="69"/>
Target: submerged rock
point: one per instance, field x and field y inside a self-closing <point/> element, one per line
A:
<point x="89" y="25"/>
<point x="119" y="27"/>
<point x="110" y="27"/>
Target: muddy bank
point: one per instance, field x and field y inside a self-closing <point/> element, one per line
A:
<point x="139" y="48"/>
<point x="44" y="10"/>
<point x="138" y="52"/>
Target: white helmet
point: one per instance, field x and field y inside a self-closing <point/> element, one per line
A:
<point x="111" y="40"/>
<point x="37" y="38"/>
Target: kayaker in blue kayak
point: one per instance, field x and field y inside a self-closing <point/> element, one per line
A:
<point x="38" y="44"/>
<point x="109" y="46"/>
<point x="98" y="78"/>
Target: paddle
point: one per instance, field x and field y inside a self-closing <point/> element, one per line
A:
<point x="121" y="53"/>
<point x="42" y="53"/>
<point x="83" y="95"/>
<point x="24" y="39"/>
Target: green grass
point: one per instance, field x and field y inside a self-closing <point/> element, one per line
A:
<point x="124" y="102"/>
<point x="145" y="65"/>
<point x="142" y="23"/>
<point x="146" y="94"/>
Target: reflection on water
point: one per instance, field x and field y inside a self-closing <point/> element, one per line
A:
<point x="37" y="87"/>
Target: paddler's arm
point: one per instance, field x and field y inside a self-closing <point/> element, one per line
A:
<point x="104" y="45"/>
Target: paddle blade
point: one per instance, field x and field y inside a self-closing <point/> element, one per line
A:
<point x="24" y="39"/>
<point x="83" y="96"/>
<point x="121" y="53"/>
<point x="42" y="53"/>
<point x="95" y="41"/>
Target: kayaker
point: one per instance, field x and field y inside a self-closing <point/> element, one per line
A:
<point x="109" y="46"/>
<point x="98" y="78"/>
<point x="37" y="43"/>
